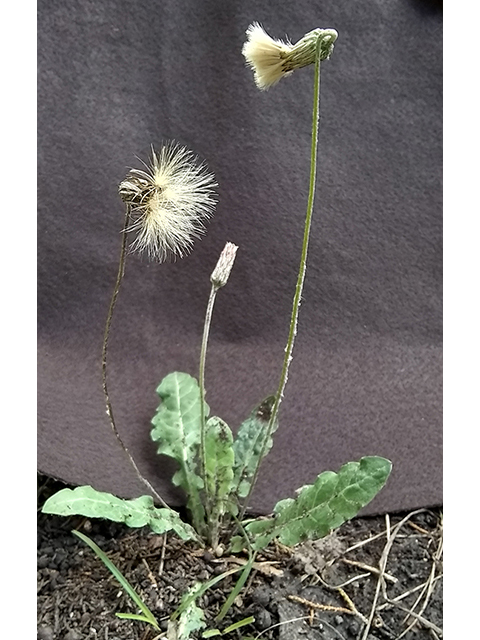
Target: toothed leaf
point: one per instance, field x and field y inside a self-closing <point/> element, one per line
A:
<point x="86" y="501"/>
<point x="323" y="506"/>
<point x="219" y="459"/>
<point x="191" y="618"/>
<point x="248" y="445"/>
<point x="176" y="430"/>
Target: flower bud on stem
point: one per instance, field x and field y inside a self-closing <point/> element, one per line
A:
<point x="218" y="279"/>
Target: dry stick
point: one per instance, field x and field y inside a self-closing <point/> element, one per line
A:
<point x="348" y="600"/>
<point x="382" y="565"/>
<point x="419" y="618"/>
<point x="321" y="607"/>
<point x="121" y="271"/>
<point x="392" y="602"/>
<point x="364" y="542"/>
<point x="279" y="624"/>
<point x="162" y="557"/>
<point x="429" y="589"/>
<point x="336" y="587"/>
<point x="367" y="567"/>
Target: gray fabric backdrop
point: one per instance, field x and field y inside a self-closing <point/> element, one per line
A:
<point x="116" y="76"/>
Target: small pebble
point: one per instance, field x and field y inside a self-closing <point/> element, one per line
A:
<point x="338" y="620"/>
<point x="45" y="633"/>
<point x="87" y="526"/>
<point x="261" y="596"/>
<point x="208" y="556"/>
<point x="219" y="569"/>
<point x="73" y="635"/>
<point x="84" y="620"/>
<point x="263" y="619"/>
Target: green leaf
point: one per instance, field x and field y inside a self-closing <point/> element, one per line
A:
<point x="239" y="624"/>
<point x="86" y="501"/>
<point x="147" y="614"/>
<point x="248" y="445"/>
<point x="219" y="459"/>
<point x="323" y="506"/>
<point x="176" y="430"/>
<point x="191" y="619"/>
<point x="233" y="627"/>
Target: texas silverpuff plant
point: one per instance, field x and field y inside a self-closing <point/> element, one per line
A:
<point x="166" y="207"/>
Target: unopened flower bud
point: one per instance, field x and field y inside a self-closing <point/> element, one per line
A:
<point x="224" y="265"/>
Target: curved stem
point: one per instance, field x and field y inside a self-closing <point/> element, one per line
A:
<point x="301" y="274"/>
<point x="113" y="301"/>
<point x="201" y="383"/>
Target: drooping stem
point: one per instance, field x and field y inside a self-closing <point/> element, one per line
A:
<point x="301" y="273"/>
<point x="201" y="383"/>
<point x="113" y="301"/>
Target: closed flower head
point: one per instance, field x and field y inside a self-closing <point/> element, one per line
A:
<point x="170" y="202"/>
<point x="224" y="265"/>
<point x="272" y="59"/>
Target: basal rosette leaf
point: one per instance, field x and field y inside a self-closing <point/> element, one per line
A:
<point x="248" y="445"/>
<point x="86" y="501"/>
<point x="323" y="506"/>
<point x="176" y="430"/>
<point x="191" y="618"/>
<point x="219" y="458"/>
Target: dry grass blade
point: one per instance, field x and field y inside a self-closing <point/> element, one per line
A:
<point x="427" y="590"/>
<point x="370" y="569"/>
<point x="391" y="535"/>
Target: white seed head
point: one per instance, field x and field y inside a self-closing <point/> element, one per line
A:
<point x="170" y="202"/>
<point x="271" y="60"/>
<point x="265" y="56"/>
<point x="224" y="265"/>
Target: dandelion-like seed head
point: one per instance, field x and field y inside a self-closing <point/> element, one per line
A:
<point x="170" y="202"/>
<point x="265" y="56"/>
<point x="271" y="60"/>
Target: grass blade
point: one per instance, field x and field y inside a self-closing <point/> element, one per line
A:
<point x="149" y="617"/>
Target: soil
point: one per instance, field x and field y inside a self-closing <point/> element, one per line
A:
<point x="374" y="578"/>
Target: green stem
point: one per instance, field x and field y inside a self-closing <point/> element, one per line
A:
<point x="301" y="274"/>
<point x="201" y="383"/>
<point x="113" y="301"/>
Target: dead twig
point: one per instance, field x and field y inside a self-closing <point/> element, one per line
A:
<point x="352" y="609"/>
<point x="370" y="569"/>
<point x="150" y="575"/>
<point x="391" y="602"/>
<point x="162" y="557"/>
<point x="391" y="535"/>
<point x="427" y="590"/>
<point x="316" y="605"/>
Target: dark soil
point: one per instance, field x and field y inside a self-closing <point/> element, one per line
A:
<point x="327" y="590"/>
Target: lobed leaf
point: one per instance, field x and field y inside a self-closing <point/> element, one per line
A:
<point x="191" y="618"/>
<point x="323" y="506"/>
<point x="86" y="501"/>
<point x="219" y="458"/>
<point x="176" y="430"/>
<point x="248" y="445"/>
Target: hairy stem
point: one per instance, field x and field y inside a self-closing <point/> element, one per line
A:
<point x="201" y="383"/>
<point x="113" y="301"/>
<point x="301" y="275"/>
